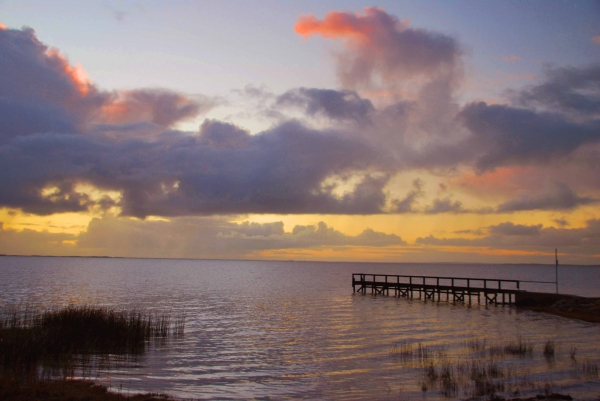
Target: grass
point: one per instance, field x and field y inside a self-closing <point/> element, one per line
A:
<point x="520" y="348"/>
<point x="487" y="371"/>
<point x="589" y="369"/>
<point x="549" y="350"/>
<point x="37" y="345"/>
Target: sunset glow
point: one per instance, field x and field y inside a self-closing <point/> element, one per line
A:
<point x="391" y="132"/>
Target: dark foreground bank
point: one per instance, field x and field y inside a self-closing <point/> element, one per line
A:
<point x="69" y="390"/>
<point x="570" y="306"/>
<point x="84" y="390"/>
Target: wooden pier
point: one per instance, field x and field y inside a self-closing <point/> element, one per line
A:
<point x="447" y="289"/>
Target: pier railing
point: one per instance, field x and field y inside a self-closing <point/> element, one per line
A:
<point x="430" y="287"/>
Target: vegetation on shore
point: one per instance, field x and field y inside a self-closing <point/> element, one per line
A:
<point x="39" y="346"/>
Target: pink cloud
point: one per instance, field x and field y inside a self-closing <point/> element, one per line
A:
<point x="379" y="44"/>
<point x="596" y="39"/>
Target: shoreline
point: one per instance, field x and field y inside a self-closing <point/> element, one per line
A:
<point x="576" y="314"/>
<point x="569" y="306"/>
<point x="71" y="390"/>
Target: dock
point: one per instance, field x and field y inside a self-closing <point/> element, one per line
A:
<point x="447" y="289"/>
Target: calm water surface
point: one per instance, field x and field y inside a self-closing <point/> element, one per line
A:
<point x="295" y="330"/>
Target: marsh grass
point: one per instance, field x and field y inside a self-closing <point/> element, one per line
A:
<point x="549" y="352"/>
<point x="403" y="351"/>
<point x="485" y="371"/>
<point x="42" y="344"/>
<point x="589" y="369"/>
<point x="520" y="348"/>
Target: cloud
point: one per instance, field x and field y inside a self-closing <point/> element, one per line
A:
<point x="220" y="169"/>
<point x="30" y="242"/>
<point x="556" y="196"/>
<point x="333" y="104"/>
<point x="445" y="205"/>
<point x="379" y="44"/>
<point x="561" y="222"/>
<point x="469" y="231"/>
<point x="504" y="135"/>
<point x="574" y="91"/>
<point x="65" y="100"/>
<point x="509" y="228"/>
<point x="65" y="132"/>
<point x="159" y="106"/>
<point x="214" y="237"/>
<point x="596" y="39"/>
<point x="56" y="135"/>
<point x="578" y="243"/>
<point x="406" y="205"/>
<point x="59" y="88"/>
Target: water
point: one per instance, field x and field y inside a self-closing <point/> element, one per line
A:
<point x="295" y="330"/>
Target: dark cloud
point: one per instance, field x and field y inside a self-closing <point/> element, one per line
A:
<point x="333" y="104"/>
<point x="406" y="205"/>
<point x="221" y="169"/>
<point x="505" y="135"/>
<point x="561" y="222"/>
<point x="38" y="86"/>
<point x="64" y="132"/>
<point x="41" y="92"/>
<point x="574" y="241"/>
<point x="569" y="90"/>
<point x="556" y="196"/>
<point x="445" y="205"/>
<point x="509" y="228"/>
<point x="370" y="237"/>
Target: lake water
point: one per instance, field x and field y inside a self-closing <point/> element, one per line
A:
<point x="295" y="330"/>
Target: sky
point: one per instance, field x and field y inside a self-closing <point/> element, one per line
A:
<point x="397" y="131"/>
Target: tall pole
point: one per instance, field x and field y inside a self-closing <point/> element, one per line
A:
<point x="556" y="268"/>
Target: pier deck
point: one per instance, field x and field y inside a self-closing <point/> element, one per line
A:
<point x="449" y="289"/>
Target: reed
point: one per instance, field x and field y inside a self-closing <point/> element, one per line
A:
<point x="549" y="349"/>
<point x="39" y="344"/>
<point x="486" y="371"/>
<point x="520" y="348"/>
<point x="403" y="351"/>
<point x="589" y="369"/>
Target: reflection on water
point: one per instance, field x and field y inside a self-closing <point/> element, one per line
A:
<point x="296" y="330"/>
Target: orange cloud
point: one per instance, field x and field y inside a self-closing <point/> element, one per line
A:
<point x="380" y="45"/>
<point x="77" y="74"/>
<point x="161" y="107"/>
<point x="338" y="25"/>
<point x="116" y="112"/>
<point x="596" y="39"/>
<point x="2" y="27"/>
<point x="494" y="182"/>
